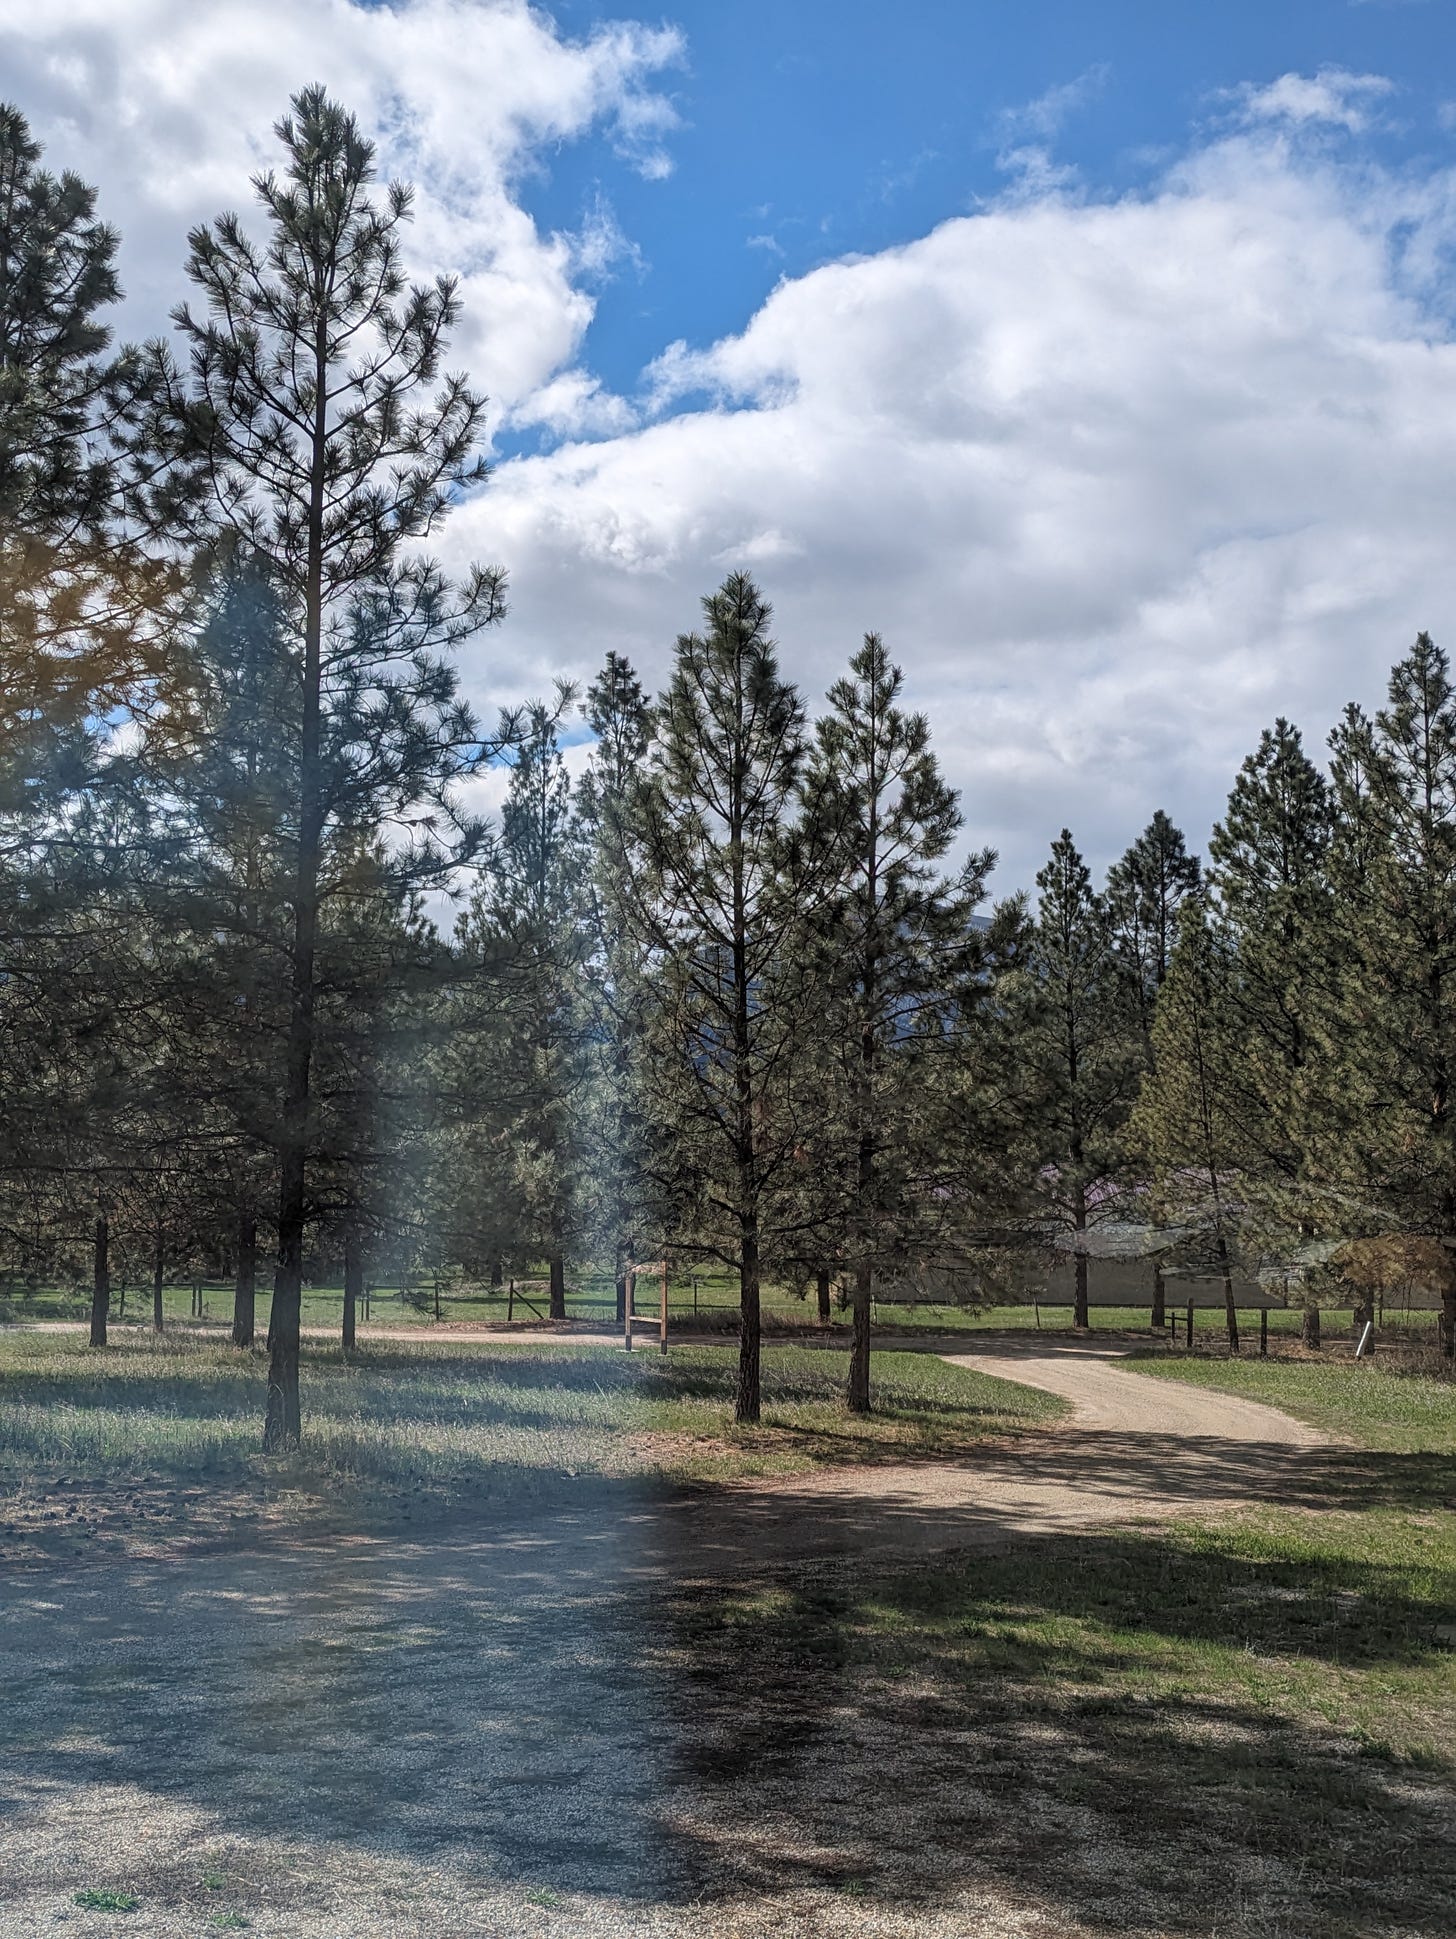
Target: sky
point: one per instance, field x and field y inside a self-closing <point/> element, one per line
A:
<point x="1098" y="356"/>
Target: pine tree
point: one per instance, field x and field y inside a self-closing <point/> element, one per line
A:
<point x="900" y="959"/>
<point x="1145" y="891"/>
<point x="222" y="769"/>
<point x="621" y="718"/>
<point x="82" y="629"/>
<point x="1080" y="1049"/>
<point x="1380" y="1102"/>
<point x="718" y="893"/>
<point x="314" y="424"/>
<point x="1190" y="1141"/>
<point x="1267" y="872"/>
<point x="533" y="906"/>
<point x="72" y="642"/>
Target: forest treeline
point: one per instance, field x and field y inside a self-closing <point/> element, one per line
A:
<point x="718" y="989"/>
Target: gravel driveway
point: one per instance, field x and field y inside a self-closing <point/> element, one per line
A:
<point x="488" y="1727"/>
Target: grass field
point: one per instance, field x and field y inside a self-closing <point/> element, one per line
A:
<point x="464" y="1414"/>
<point x="1234" y="1728"/>
<point x="707" y="1301"/>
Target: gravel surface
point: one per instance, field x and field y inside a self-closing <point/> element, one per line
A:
<point x="476" y="1726"/>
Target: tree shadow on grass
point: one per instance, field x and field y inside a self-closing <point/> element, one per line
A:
<point x="467" y="1421"/>
<point x="525" y="1693"/>
<point x="1076" y="1725"/>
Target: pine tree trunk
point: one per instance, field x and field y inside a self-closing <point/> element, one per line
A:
<point x="282" y="1426"/>
<point x="497" y="1272"/>
<point x="1309" y="1326"/>
<point x="746" y="1402"/>
<point x="1363" y="1315"/>
<point x="859" y="1339"/>
<point x="101" y="1280"/>
<point x="245" y="1295"/>
<point x="558" y="1286"/>
<point x="1081" y="1317"/>
<point x="159" y="1267"/>
<point x="1448" y="1323"/>
<point x="621" y="1299"/>
<point x="353" y="1287"/>
<point x="1231" y="1312"/>
<point x="822" y="1289"/>
<point x="1160" y="1309"/>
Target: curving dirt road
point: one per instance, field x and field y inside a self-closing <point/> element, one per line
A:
<point x="1119" y="1399"/>
<point x="1135" y="1449"/>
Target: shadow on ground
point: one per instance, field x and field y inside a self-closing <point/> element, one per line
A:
<point x="1072" y="1720"/>
<point x="683" y="1699"/>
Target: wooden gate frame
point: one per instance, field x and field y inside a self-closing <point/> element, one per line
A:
<point x="657" y="1266"/>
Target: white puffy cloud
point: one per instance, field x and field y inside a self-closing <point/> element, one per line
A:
<point x="170" y="106"/>
<point x="1118" y="480"/>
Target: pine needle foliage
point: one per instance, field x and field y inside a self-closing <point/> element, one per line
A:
<point x="721" y="882"/>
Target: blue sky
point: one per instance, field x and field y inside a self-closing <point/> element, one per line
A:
<point x="1100" y="356"/>
<point x="811" y="128"/>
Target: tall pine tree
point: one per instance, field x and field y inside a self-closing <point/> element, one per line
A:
<point x="1080" y="1051"/>
<point x="1380" y="1108"/>
<point x="901" y="956"/>
<point x="718" y="890"/>
<point x="1267" y="873"/>
<point x="1186" y="1127"/>
<point x="314" y="422"/>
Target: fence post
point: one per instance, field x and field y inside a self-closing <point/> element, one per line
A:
<point x="511" y="1304"/>
<point x="662" y="1334"/>
<point x="1264" y="1329"/>
<point x="629" y="1303"/>
<point x="1190" y="1326"/>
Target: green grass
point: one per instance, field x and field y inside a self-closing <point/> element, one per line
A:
<point x="470" y="1414"/>
<point x="92" y="1900"/>
<point x="924" y="1409"/>
<point x="1368" y="1402"/>
<point x="1250" y="1727"/>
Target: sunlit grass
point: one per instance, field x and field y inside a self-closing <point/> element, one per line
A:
<point x="482" y="1415"/>
<point x="1369" y="1401"/>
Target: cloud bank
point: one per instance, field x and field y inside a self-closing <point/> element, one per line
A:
<point x="169" y="106"/>
<point x="1118" y="479"/>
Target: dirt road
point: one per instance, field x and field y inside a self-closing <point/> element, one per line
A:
<point x="1134" y="1450"/>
